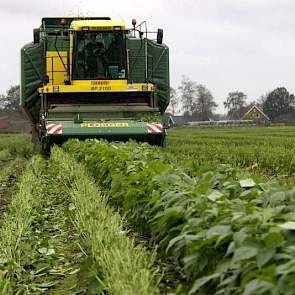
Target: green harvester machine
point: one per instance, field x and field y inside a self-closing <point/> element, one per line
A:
<point x="91" y="77"/>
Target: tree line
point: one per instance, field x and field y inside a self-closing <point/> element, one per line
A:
<point x="10" y="102"/>
<point x="196" y="102"/>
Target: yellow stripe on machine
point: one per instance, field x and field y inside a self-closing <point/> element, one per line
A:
<point x="98" y="86"/>
<point x="97" y="25"/>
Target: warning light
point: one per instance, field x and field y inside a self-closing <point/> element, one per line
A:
<point x="134" y="22"/>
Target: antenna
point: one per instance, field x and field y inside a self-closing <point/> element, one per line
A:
<point x="89" y="13"/>
<point x="63" y="7"/>
<point x="79" y="9"/>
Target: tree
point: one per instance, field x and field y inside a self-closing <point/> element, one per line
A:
<point x="174" y="101"/>
<point x="235" y="105"/>
<point x="2" y="101"/>
<point x="279" y="103"/>
<point x="261" y="100"/>
<point x="188" y="94"/>
<point x="10" y="101"/>
<point x="205" y="104"/>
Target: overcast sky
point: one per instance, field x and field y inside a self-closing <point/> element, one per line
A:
<point x="227" y="45"/>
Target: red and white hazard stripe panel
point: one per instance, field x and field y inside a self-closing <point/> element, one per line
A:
<point x="155" y="128"/>
<point x="54" y="129"/>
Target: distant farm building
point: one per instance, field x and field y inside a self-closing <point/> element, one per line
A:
<point x="256" y="114"/>
<point x="174" y="121"/>
<point x="14" y="124"/>
<point x="183" y="121"/>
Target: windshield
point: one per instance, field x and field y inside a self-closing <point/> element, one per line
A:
<point x="99" y="55"/>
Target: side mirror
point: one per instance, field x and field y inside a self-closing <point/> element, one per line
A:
<point x="36" y="33"/>
<point x="160" y="36"/>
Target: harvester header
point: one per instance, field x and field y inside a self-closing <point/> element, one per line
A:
<point x="94" y="78"/>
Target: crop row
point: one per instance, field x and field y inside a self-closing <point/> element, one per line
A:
<point x="14" y="152"/>
<point x="59" y="236"/>
<point x="268" y="151"/>
<point x="12" y="145"/>
<point x="228" y="233"/>
<point x="9" y="175"/>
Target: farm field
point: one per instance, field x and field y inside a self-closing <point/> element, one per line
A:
<point x="268" y="151"/>
<point x="128" y="218"/>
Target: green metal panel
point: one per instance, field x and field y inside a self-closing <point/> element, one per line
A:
<point x="160" y="72"/>
<point x="137" y="61"/>
<point x="32" y="77"/>
<point x="101" y="112"/>
<point x="62" y="43"/>
<point x="156" y="63"/>
<point x="71" y="128"/>
<point x="134" y="130"/>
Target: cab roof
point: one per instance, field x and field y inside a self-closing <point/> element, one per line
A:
<point x="94" y="24"/>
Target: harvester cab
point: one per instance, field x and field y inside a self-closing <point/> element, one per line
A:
<point x="93" y="78"/>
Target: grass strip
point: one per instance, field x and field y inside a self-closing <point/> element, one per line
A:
<point x="12" y="145"/>
<point x="4" y="157"/>
<point x="15" y="150"/>
<point x="15" y="226"/>
<point x="116" y="264"/>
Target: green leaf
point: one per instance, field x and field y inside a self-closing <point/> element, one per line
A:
<point x="50" y="251"/>
<point x="223" y="266"/>
<point x="230" y="249"/>
<point x="277" y="198"/>
<point x="224" y="238"/>
<point x="174" y="241"/>
<point x="214" y="195"/>
<point x="246" y="183"/>
<point x="190" y="260"/>
<point x="72" y="207"/>
<point x="218" y="230"/>
<point x="47" y="284"/>
<point x="258" y="287"/>
<point x="273" y="240"/>
<point x="201" y="282"/>
<point x="288" y="225"/>
<point x="42" y="250"/>
<point x="244" y="253"/>
<point x="264" y="256"/>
